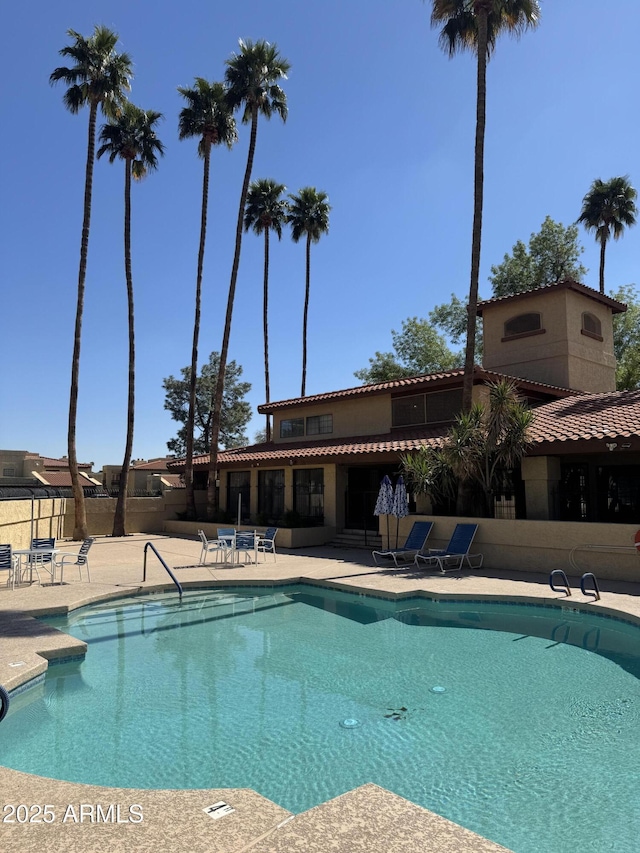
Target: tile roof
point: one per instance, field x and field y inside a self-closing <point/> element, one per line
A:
<point x="414" y="383"/>
<point x="398" y="441"/>
<point x="566" y="284"/>
<point x="173" y="480"/>
<point x="55" y="463"/>
<point x="153" y="464"/>
<point x="62" y="479"/>
<point x="614" y="415"/>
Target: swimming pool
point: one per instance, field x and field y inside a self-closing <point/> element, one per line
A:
<point x="499" y="717"/>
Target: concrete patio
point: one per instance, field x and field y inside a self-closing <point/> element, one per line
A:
<point x="368" y="818"/>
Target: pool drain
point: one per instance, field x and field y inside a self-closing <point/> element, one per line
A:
<point x="438" y="689"/>
<point x="350" y="723"/>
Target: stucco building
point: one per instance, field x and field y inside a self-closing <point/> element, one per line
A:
<point x="330" y="451"/>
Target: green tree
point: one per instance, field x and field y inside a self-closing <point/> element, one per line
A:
<point x="626" y="339"/>
<point x="418" y="349"/>
<point x="266" y="211"/>
<point x="236" y="411"/>
<point x="98" y="78"/>
<point x="479" y="449"/>
<point x="252" y="79"/>
<point x="308" y="217"/>
<point x="206" y="116"/>
<point x="607" y="209"/>
<point x="130" y="137"/>
<point x="451" y="319"/>
<point x="553" y="255"/>
<point x="475" y="25"/>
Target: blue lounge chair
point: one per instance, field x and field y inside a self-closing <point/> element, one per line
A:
<point x="453" y="557"/>
<point x="413" y="545"/>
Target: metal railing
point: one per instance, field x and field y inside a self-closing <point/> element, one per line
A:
<point x="171" y="574"/>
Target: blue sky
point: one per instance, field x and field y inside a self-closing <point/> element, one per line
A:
<point x="379" y="118"/>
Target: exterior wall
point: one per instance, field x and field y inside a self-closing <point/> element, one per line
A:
<point x="541" y="474"/>
<point x="541" y="546"/>
<point x="144" y="515"/>
<point x="287" y="537"/>
<point x="330" y="510"/>
<point x="358" y="416"/>
<point x="22" y="520"/>
<point x="562" y="355"/>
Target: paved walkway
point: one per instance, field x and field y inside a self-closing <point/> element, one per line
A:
<point x="368" y="818"/>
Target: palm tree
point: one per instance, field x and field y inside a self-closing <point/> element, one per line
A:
<point x="308" y="215"/>
<point x="130" y="137"/>
<point x="207" y="116"/>
<point x="98" y="78"/>
<point x="475" y="25"/>
<point x="252" y="78"/>
<point x="266" y="211"/>
<point x="608" y="208"/>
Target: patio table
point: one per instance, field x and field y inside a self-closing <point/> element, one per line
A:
<point x="34" y="560"/>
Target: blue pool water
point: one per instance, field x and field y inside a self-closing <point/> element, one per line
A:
<point x="530" y="738"/>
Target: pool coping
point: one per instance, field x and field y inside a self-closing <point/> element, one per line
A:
<point x="36" y="646"/>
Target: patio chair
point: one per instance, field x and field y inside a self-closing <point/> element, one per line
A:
<point x="267" y="542"/>
<point x="9" y="562"/>
<point x="79" y="559"/>
<point x="212" y="546"/>
<point x="247" y="543"/>
<point x="227" y="533"/>
<point x="453" y="557"/>
<point x="413" y="545"/>
<point x="44" y="560"/>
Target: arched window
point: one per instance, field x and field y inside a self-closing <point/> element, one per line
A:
<point x="591" y="326"/>
<point x="523" y="324"/>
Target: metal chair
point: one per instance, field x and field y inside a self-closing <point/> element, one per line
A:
<point x="78" y="559"/>
<point x="267" y="543"/>
<point x="246" y="542"/>
<point x="9" y="561"/>
<point x="212" y="546"/>
<point x="45" y="559"/>
<point x="453" y="557"/>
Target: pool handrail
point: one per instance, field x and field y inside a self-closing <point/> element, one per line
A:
<point x="558" y="573"/>
<point x="171" y="574"/>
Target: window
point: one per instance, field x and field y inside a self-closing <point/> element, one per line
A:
<point x="591" y="326"/>
<point x="406" y="411"/>
<point x="443" y="405"/>
<point x="271" y="494"/>
<point x="308" y="494"/>
<point x="319" y="424"/>
<point x="291" y="427"/>
<point x="238" y="493"/>
<point x="523" y="324"/>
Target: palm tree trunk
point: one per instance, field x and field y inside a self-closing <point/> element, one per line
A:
<point x="603" y="246"/>
<point x="120" y="517"/>
<point x="467" y="388"/>
<point x="188" y="469"/>
<point x="265" y="324"/>
<point x="80" y="525"/>
<point x="304" y="318"/>
<point x="212" y="495"/>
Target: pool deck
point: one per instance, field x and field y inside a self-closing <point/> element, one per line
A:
<point x="365" y="819"/>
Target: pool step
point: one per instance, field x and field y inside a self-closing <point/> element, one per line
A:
<point x="371" y="820"/>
